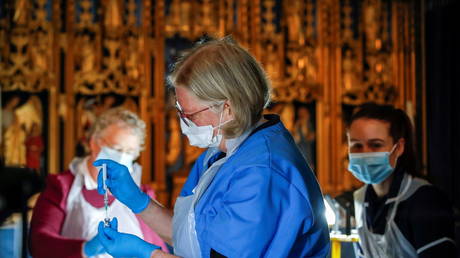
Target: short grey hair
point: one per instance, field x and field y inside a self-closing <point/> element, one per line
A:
<point x="220" y="70"/>
<point x="122" y="117"/>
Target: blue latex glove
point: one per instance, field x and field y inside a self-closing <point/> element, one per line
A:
<point x="93" y="247"/>
<point x="122" y="185"/>
<point x="125" y="245"/>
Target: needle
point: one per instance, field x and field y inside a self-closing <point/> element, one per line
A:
<point x="106" y="196"/>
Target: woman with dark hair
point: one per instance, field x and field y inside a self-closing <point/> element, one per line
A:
<point x="397" y="214"/>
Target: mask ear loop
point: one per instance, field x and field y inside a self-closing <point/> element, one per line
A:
<point x="220" y="124"/>
<point x="391" y="152"/>
<point x="394" y="147"/>
<point x="214" y="138"/>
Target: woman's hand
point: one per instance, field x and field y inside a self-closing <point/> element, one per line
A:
<point x="121" y="244"/>
<point x="122" y="185"/>
<point x="93" y="247"/>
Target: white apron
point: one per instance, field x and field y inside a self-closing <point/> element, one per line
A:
<point x="185" y="240"/>
<point x="82" y="219"/>
<point x="392" y="244"/>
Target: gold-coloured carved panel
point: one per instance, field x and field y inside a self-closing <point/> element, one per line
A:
<point x="26" y="59"/>
<point x="108" y="55"/>
<point x="323" y="55"/>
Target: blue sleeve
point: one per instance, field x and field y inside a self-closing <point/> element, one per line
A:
<point x="260" y="215"/>
<point x="194" y="176"/>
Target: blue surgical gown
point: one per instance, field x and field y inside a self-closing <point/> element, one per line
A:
<point x="263" y="202"/>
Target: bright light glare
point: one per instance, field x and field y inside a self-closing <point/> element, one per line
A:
<point x="330" y="215"/>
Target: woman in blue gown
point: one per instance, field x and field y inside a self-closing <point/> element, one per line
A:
<point x="251" y="193"/>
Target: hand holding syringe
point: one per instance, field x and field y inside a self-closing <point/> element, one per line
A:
<point x="114" y="175"/>
<point x="107" y="154"/>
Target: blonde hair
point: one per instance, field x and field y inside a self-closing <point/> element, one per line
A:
<point x="221" y="70"/>
<point x="122" y="117"/>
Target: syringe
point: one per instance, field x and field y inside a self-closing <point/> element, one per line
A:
<point x="106" y="196"/>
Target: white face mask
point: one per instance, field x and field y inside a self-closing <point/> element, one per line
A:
<point x="202" y="136"/>
<point x="123" y="158"/>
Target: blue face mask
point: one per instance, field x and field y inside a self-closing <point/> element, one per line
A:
<point x="370" y="167"/>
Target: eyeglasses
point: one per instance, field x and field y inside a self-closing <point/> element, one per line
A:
<point x="189" y="116"/>
<point x="132" y="151"/>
